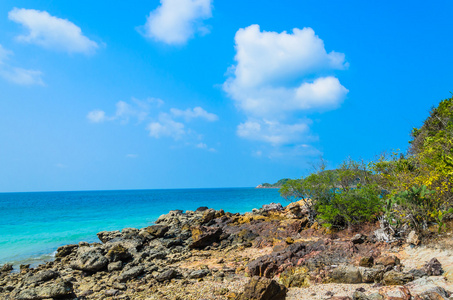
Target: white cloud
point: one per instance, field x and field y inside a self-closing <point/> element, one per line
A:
<point x="51" y="32"/>
<point x="22" y="76"/>
<point x="166" y="127"/>
<point x="125" y="111"/>
<point x="97" y="116"/>
<point x="278" y="76"/>
<point x="194" y="113"/>
<point x="4" y="54"/>
<point x="273" y="132"/>
<point x="18" y="75"/>
<point x="176" y="21"/>
<point x="132" y="155"/>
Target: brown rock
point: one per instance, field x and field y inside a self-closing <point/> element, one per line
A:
<point x="204" y="236"/>
<point x="389" y="260"/>
<point x="260" y="288"/>
<point x="397" y="278"/>
<point x="366" y="261"/>
<point x="395" y="293"/>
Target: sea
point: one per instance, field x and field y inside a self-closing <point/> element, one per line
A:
<point x="34" y="225"/>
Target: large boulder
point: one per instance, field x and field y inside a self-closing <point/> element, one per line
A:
<point x="157" y="230"/>
<point x="167" y="275"/>
<point x="89" y="259"/>
<point x="55" y="290"/>
<point x="397" y="278"/>
<point x="260" y="288"/>
<point x="203" y="236"/>
<point x="346" y="274"/>
<point x="42" y="276"/>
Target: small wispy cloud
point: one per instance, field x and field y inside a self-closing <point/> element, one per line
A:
<point x="18" y="75"/>
<point x="160" y="124"/>
<point x="132" y="155"/>
<point x="194" y="113"/>
<point x="51" y="32"/>
<point x="174" y="22"/>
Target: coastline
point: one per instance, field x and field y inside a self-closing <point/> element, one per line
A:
<point x="215" y="254"/>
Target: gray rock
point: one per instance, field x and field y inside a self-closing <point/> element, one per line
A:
<point x="346" y="274"/>
<point x="66" y="250"/>
<point x="115" y="266"/>
<point x="55" y="290"/>
<point x="6" y="268"/>
<point x="131" y="273"/>
<point x="167" y="275"/>
<point x="359" y="296"/>
<point x="111" y="292"/>
<point x="42" y="276"/>
<point x="272" y="206"/>
<point x="375" y="296"/>
<point x="89" y="259"/>
<point x="199" y="274"/>
<point x="433" y="268"/>
<point x="358" y="238"/>
<point x="105" y="236"/>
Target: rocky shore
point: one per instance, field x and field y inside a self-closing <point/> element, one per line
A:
<point x="271" y="253"/>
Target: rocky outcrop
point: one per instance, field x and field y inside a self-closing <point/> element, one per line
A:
<point x="90" y="260"/>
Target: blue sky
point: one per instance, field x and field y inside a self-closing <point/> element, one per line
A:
<point x="197" y="93"/>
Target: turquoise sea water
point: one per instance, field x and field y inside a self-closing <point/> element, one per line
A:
<point x="34" y="225"/>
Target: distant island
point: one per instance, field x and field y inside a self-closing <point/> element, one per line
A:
<point x="276" y="185"/>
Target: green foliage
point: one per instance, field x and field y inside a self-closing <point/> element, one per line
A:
<point x="278" y="184"/>
<point x="340" y="197"/>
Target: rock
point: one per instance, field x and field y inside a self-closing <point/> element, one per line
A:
<point x="204" y="236"/>
<point x="346" y="274"/>
<point x="66" y="250"/>
<point x="370" y="275"/>
<point x="157" y="230"/>
<point x="208" y="215"/>
<point x="389" y="260"/>
<point x="272" y="207"/>
<point x="340" y="298"/>
<point x="397" y="278"/>
<point x="131" y="273"/>
<point x="260" y="288"/>
<point x="395" y="293"/>
<point x="42" y="276"/>
<point x="199" y="274"/>
<point x="105" y="236"/>
<point x="167" y="275"/>
<point x="295" y="277"/>
<point x="428" y="288"/>
<point x="6" y="268"/>
<point x="433" y="268"/>
<point x="375" y="296"/>
<point x="118" y="253"/>
<point x="412" y="238"/>
<point x="435" y="293"/>
<point x="55" y="290"/>
<point x="201" y="209"/>
<point x="359" y="239"/>
<point x="111" y="292"/>
<point x="366" y="261"/>
<point x="115" y="266"/>
<point x="418" y="273"/>
<point x="359" y="296"/>
<point x="89" y="260"/>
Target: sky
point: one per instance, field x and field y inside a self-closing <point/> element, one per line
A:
<point x="110" y="95"/>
